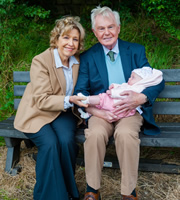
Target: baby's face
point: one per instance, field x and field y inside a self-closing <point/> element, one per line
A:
<point x="134" y="79"/>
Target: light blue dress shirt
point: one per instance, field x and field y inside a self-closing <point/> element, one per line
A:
<point x="68" y="76"/>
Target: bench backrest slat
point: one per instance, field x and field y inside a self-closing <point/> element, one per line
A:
<point x="172" y="91"/>
<point x="16" y="103"/>
<point x="20" y="76"/>
<point x="166" y="108"/>
<point x="171" y="75"/>
<point x="19" y="90"/>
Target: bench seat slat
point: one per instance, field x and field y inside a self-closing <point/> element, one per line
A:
<point x="161" y="140"/>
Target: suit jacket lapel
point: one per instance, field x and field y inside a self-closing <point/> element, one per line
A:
<point x="99" y="59"/>
<point x="75" y="70"/>
<point x="125" y="58"/>
<point x="59" y="75"/>
<point x="61" y="79"/>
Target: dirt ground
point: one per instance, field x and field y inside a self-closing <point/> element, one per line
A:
<point x="151" y="186"/>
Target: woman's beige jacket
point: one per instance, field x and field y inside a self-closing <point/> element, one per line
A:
<point x="43" y="99"/>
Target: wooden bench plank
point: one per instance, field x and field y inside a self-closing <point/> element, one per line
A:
<point x="21" y="76"/>
<point x="161" y="140"/>
<point x="166" y="108"/>
<point x="172" y="91"/>
<point x="171" y="75"/>
<point x="19" y="90"/>
<point x="16" y="103"/>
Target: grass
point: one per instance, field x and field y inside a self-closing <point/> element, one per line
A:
<point x="2" y="142"/>
<point x="4" y="195"/>
<point x="150" y="185"/>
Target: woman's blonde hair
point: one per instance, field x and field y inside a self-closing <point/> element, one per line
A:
<point x="63" y="26"/>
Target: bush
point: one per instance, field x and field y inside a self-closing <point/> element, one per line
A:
<point x="165" y="13"/>
<point x="18" y="20"/>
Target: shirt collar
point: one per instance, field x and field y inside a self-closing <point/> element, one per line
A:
<point x="115" y="49"/>
<point x="72" y="60"/>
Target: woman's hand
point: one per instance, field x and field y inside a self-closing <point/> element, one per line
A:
<point x="77" y="100"/>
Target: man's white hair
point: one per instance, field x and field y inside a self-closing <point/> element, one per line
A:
<point x="105" y="12"/>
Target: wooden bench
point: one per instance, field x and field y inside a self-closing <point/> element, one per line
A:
<point x="168" y="104"/>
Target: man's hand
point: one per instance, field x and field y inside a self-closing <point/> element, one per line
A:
<point x="132" y="101"/>
<point x="104" y="114"/>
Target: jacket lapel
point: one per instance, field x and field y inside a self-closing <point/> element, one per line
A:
<point x="125" y="58"/>
<point x="61" y="79"/>
<point x="59" y="75"/>
<point x="99" y="59"/>
<point x="75" y="70"/>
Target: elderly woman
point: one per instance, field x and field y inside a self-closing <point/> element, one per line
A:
<point x="46" y="112"/>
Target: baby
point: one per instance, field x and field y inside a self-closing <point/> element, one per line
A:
<point x="140" y="79"/>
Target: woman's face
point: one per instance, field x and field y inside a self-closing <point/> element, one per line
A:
<point x="68" y="44"/>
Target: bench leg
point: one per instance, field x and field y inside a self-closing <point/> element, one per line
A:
<point x="13" y="155"/>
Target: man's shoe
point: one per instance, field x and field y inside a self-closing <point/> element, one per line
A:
<point x="130" y="197"/>
<point x="92" y="196"/>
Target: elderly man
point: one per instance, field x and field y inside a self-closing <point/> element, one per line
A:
<point x="112" y="61"/>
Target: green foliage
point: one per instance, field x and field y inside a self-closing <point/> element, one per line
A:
<point x="20" y="24"/>
<point x="166" y="14"/>
<point x="2" y="142"/>
<point x="16" y="20"/>
<point x="162" y="51"/>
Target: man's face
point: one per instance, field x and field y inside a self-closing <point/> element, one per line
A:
<point x="106" y="30"/>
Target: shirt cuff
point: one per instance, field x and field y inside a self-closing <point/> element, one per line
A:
<point x="139" y="110"/>
<point x="66" y="103"/>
